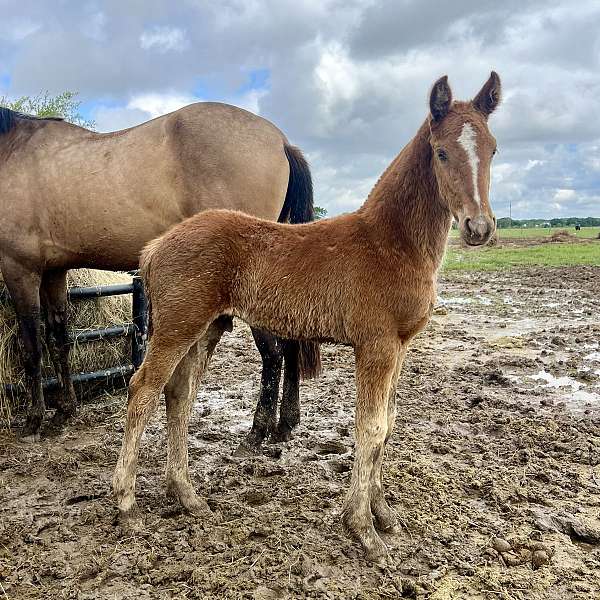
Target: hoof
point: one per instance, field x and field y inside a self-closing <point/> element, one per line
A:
<point x="188" y="498"/>
<point x="373" y="546"/>
<point x="197" y="507"/>
<point x="281" y="435"/>
<point x="29" y="437"/>
<point x="131" y="521"/>
<point x="375" y="549"/>
<point x="384" y="518"/>
<point x="246" y="450"/>
<point x="378" y="555"/>
<point x="31" y="430"/>
<point x="60" y="418"/>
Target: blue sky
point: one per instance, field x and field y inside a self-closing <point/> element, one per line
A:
<point x="347" y="81"/>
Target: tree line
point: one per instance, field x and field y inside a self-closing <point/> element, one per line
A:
<point x="506" y="222"/>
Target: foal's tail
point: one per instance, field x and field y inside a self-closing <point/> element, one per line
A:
<point x="298" y="207"/>
<point x="145" y="261"/>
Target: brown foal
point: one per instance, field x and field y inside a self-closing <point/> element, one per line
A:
<point x="367" y="279"/>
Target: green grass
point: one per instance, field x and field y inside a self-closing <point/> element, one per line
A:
<point x="516" y="233"/>
<point x="545" y="255"/>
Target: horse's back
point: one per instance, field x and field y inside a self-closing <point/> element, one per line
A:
<point x="95" y="199"/>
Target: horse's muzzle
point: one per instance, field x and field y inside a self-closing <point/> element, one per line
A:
<point x="477" y="231"/>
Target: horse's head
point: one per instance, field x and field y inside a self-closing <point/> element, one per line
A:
<point x="463" y="148"/>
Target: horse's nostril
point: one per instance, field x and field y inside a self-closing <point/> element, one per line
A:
<point x="480" y="227"/>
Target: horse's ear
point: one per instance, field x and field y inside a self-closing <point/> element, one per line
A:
<point x="489" y="96"/>
<point x="440" y="99"/>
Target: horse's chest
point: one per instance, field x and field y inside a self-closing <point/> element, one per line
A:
<point x="414" y="310"/>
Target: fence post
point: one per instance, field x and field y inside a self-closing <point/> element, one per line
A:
<point x="140" y="322"/>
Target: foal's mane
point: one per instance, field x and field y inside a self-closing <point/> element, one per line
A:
<point x="10" y="118"/>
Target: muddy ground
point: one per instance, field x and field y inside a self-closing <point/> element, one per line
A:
<point x="498" y="436"/>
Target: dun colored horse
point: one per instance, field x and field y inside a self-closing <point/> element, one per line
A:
<point x="367" y="279"/>
<point x="72" y="198"/>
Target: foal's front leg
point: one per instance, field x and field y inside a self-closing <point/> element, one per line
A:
<point x="385" y="518"/>
<point x="375" y="367"/>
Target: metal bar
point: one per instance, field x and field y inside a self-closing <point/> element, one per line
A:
<point x="137" y="329"/>
<point x="52" y="382"/>
<point x="98" y="291"/>
<point x="85" y="335"/>
<point x="140" y="322"/>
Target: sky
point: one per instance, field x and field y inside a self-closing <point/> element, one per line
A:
<point x="346" y="80"/>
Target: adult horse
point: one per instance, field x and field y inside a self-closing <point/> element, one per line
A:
<point x="72" y="198"/>
<point x="366" y="279"/>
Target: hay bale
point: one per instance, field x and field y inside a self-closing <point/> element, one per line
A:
<point x="84" y="315"/>
<point x="562" y="235"/>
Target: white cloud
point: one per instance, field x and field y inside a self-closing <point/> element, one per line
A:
<point x="144" y="107"/>
<point x="159" y="104"/>
<point x="17" y="29"/>
<point x="164" y="39"/>
<point x="564" y="194"/>
<point x="95" y="26"/>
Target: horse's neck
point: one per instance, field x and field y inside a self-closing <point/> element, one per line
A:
<point x="405" y="205"/>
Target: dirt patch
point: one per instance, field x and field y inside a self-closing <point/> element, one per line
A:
<point x="493" y="469"/>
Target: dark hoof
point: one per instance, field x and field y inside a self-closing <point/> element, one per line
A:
<point x="31" y="432"/>
<point x="60" y="418"/>
<point x="281" y="435"/>
<point x="246" y="450"/>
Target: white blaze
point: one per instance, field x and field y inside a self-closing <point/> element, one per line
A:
<point x="468" y="142"/>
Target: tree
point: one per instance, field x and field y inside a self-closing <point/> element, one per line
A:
<point x="63" y="105"/>
<point x="320" y="213"/>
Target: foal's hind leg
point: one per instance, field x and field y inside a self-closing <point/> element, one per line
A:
<point x="289" y="413"/>
<point x="385" y="518"/>
<point x="54" y="295"/>
<point x="24" y="288"/>
<point x="144" y="392"/>
<point x="180" y="394"/>
<point x="375" y="367"/>
<point x="266" y="410"/>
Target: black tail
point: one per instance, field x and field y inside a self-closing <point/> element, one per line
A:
<point x="298" y="205"/>
<point x="298" y="208"/>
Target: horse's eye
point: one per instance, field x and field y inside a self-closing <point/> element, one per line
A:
<point x="494" y="152"/>
<point x="441" y="154"/>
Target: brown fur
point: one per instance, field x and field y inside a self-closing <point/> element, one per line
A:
<point x="73" y="198"/>
<point x="366" y="279"/>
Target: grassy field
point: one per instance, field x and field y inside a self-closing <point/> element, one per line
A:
<point x="548" y="255"/>
<point x="517" y="233"/>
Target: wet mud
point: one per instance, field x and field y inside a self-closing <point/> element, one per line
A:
<point x="493" y="471"/>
